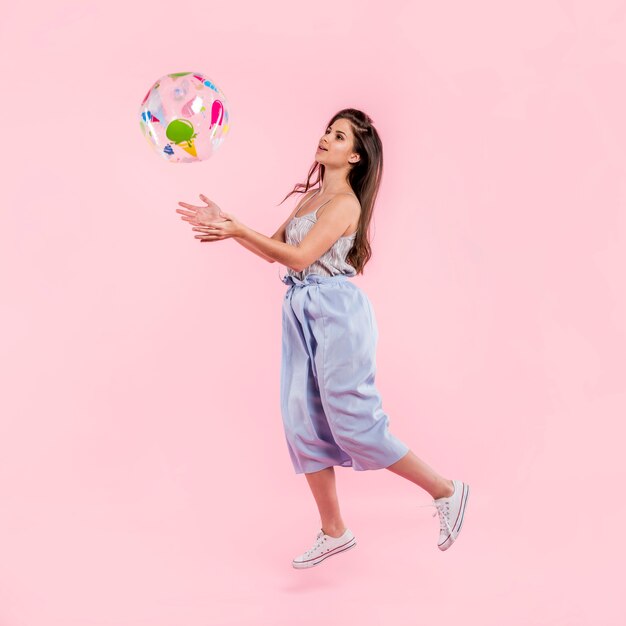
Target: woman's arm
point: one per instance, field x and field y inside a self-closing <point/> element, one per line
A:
<point x="279" y="235"/>
<point x="284" y="253"/>
<point x="252" y="248"/>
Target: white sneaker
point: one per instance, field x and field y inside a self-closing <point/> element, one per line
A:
<point x="451" y="512"/>
<point x="324" y="547"/>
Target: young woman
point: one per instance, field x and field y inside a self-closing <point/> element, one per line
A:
<point x="332" y="411"/>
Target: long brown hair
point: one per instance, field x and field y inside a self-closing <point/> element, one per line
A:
<point x="364" y="178"/>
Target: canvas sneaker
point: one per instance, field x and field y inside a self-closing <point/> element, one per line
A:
<point x="451" y="513"/>
<point x="324" y="547"/>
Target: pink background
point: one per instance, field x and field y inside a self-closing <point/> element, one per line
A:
<point x="144" y="476"/>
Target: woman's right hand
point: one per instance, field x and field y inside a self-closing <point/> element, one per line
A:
<point x="200" y="215"/>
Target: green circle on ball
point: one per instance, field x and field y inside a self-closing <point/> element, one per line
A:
<point x="179" y="130"/>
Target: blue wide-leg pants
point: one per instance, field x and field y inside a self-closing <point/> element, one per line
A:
<point x="331" y="409"/>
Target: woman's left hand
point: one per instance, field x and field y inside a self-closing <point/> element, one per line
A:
<point x="204" y="221"/>
<point x="216" y="231"/>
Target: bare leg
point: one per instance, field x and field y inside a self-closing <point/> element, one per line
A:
<point x="414" y="469"/>
<point x="323" y="487"/>
<point x="322" y="484"/>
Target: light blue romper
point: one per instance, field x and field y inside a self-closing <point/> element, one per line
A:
<point x="332" y="412"/>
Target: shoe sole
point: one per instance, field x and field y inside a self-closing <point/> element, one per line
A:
<point x="457" y="529"/>
<point x="323" y="557"/>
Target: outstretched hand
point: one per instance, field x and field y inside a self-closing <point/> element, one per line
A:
<point x="210" y="221"/>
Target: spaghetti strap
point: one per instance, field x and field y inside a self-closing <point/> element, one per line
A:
<point x="319" y="207"/>
<point x="304" y="204"/>
<point x="313" y="213"/>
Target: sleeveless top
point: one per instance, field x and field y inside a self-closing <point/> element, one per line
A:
<point x="333" y="261"/>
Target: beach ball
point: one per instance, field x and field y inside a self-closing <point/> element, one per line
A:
<point x="184" y="117"/>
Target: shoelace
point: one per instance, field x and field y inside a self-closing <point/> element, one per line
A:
<point x="319" y="540"/>
<point x="443" y="508"/>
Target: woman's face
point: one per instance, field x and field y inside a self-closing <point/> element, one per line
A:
<point x="336" y="145"/>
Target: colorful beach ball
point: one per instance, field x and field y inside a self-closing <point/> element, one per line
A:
<point x="184" y="117"/>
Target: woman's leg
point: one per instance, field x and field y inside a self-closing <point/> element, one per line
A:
<point x="414" y="469"/>
<point x="324" y="490"/>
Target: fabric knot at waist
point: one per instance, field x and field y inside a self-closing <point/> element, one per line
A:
<point x="311" y="279"/>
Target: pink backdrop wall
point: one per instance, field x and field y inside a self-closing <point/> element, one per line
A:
<point x="144" y="477"/>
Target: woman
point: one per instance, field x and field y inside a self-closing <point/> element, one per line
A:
<point x="332" y="411"/>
